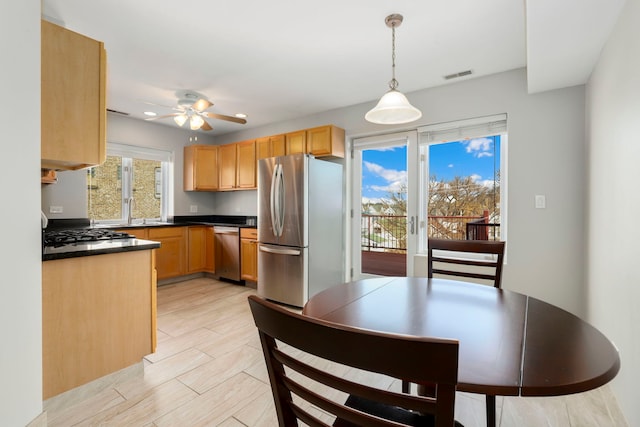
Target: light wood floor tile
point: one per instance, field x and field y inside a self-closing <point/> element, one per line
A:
<point x="209" y="370"/>
<point x="217" y="405"/>
<point x="174" y="345"/>
<point x="144" y="408"/>
<point x="163" y="371"/>
<point x="219" y="370"/>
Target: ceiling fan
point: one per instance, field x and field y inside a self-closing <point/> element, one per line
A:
<point x="191" y="108"/>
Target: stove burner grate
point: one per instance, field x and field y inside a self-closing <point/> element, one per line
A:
<point x="58" y="238"/>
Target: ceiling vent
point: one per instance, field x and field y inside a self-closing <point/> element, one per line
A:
<point x="456" y="75"/>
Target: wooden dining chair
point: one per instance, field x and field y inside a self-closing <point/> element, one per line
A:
<point x="299" y="351"/>
<point x="450" y="260"/>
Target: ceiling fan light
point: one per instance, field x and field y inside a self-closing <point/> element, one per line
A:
<point x="196" y="122"/>
<point x="393" y="108"/>
<point x="180" y="119"/>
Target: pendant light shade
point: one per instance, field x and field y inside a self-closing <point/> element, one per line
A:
<point x="393" y="108"/>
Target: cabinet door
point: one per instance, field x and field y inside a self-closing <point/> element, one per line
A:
<point x="278" y="145"/>
<point x="171" y="256"/>
<point x="263" y="148"/>
<point x="249" y="260"/>
<point x="227" y="164"/>
<point x="200" y="168"/>
<point x="73" y="99"/>
<point x="296" y="142"/>
<point x="325" y="141"/>
<point x="246" y="173"/>
<point x="210" y="262"/>
<point x="197" y="254"/>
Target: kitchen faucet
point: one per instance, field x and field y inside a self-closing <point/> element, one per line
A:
<point x="130" y="204"/>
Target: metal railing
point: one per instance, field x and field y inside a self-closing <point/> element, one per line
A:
<point x="388" y="233"/>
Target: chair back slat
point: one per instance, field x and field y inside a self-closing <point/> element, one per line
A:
<point x="301" y="354"/>
<point x="450" y="252"/>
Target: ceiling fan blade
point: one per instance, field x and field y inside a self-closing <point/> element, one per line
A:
<point x="163" y="117"/>
<point x="227" y="118"/>
<point x="201" y="104"/>
<point x="206" y="126"/>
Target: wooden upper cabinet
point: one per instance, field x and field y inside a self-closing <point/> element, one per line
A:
<point x="246" y="165"/>
<point x="326" y="141"/>
<point x="270" y="146"/>
<point x="296" y="142"/>
<point x="200" y="168"/>
<point x="227" y="155"/>
<point x="73" y="99"/>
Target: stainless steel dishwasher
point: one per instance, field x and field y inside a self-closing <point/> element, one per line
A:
<point x="227" y="252"/>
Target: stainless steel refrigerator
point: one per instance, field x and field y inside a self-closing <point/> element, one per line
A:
<point x="300" y="222"/>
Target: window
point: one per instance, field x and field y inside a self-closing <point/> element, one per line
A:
<point x="130" y="173"/>
<point x="463" y="179"/>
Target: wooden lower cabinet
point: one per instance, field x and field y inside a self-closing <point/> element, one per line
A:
<point x="98" y="316"/>
<point x="249" y="254"/>
<point x="210" y="245"/>
<point x="171" y="257"/>
<point x="197" y="253"/>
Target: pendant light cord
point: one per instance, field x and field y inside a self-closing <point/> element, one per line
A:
<point x="393" y="84"/>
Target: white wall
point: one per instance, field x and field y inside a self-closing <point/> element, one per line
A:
<point x="613" y="128"/>
<point x="20" y="253"/>
<point x="70" y="190"/>
<point x="545" y="156"/>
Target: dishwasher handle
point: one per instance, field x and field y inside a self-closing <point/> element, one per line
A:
<point x="280" y="251"/>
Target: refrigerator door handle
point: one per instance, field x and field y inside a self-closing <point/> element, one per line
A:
<point x="272" y="201"/>
<point x="279" y="200"/>
<point x="280" y="251"/>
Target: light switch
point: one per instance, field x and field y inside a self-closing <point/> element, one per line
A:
<point x="541" y="201"/>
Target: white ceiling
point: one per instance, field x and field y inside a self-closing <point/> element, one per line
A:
<point x="281" y="59"/>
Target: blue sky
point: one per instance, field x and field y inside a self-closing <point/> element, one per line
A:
<point x="386" y="170"/>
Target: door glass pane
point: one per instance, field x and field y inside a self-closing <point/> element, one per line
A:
<point x="104" y="188"/>
<point x="463" y="193"/>
<point x="384" y="211"/>
<point x="146" y="188"/>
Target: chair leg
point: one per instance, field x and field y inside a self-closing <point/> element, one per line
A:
<point x="491" y="411"/>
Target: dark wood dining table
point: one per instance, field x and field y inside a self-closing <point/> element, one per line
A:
<point x="510" y="344"/>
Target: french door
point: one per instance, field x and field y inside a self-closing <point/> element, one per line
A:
<point x="385" y="189"/>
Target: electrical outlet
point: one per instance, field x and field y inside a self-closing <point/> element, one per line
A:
<point x="55" y="209"/>
<point x="541" y="202"/>
<point x="193" y="208"/>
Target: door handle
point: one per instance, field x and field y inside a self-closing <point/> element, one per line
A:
<point x="412" y="224"/>
<point x="280" y="251"/>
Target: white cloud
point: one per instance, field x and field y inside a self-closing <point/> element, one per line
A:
<point x="480" y="147"/>
<point x="450" y="165"/>
<point x="394" y="179"/>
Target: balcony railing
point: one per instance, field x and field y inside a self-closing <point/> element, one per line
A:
<point x="387" y="233"/>
<point x="384" y="240"/>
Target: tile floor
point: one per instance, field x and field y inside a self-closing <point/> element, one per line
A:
<point x="208" y="371"/>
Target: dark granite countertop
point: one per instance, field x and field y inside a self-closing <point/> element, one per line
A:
<point x="97" y="248"/>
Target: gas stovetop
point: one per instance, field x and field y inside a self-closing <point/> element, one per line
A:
<point x="63" y="237"/>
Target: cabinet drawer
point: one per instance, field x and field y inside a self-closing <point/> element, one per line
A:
<point x="160" y="232"/>
<point x="249" y="233"/>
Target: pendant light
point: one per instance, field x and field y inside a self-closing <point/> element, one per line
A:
<point x="393" y="108"/>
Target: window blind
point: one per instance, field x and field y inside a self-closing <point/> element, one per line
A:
<point x="464" y="129"/>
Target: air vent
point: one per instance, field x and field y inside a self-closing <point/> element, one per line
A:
<point x="109" y="110"/>
<point x="456" y="75"/>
